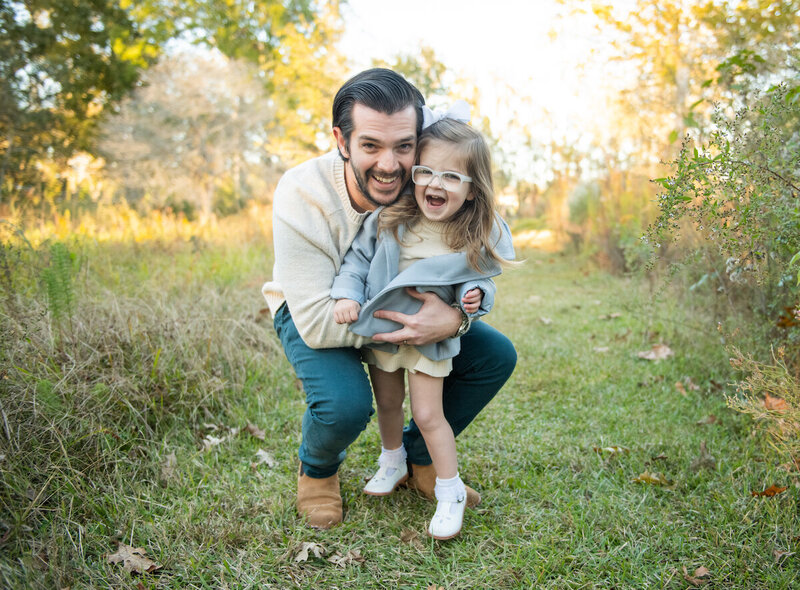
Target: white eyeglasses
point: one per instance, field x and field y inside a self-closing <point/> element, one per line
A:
<point x="450" y="181"/>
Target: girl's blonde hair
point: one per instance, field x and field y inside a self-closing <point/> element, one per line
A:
<point x="470" y="229"/>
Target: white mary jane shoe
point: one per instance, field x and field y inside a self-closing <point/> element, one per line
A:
<point x="383" y="483"/>
<point x="447" y="519"/>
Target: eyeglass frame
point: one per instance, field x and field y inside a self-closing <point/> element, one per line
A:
<point x="463" y="178"/>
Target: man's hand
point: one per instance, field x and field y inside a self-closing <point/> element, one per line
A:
<point x="345" y="311"/>
<point x="434" y="322"/>
<point x="471" y="301"/>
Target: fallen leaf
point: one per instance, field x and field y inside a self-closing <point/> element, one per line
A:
<point x="411" y="537"/>
<point x="659" y="458"/>
<point x="545" y="321"/>
<point x="601" y="349"/>
<point x="772" y="490"/>
<point x="614" y="450"/>
<point x="623" y="335"/>
<point x="657" y="352"/>
<point x="211" y="427"/>
<point x="263" y="456"/>
<point x="133" y="559"/>
<point x="168" y="467"/>
<point x="315" y="549"/>
<point x="255" y="431"/>
<point x="353" y="556"/>
<point x="710" y="419"/>
<point x="704" y="461"/>
<point x="695" y="580"/>
<point x="681" y="389"/>
<point x="611" y="316"/>
<point x="212" y="441"/>
<point x="691" y="385"/>
<point x="656" y="479"/>
<point x="781" y="556"/>
<point x="775" y="403"/>
<point x="434" y="587"/>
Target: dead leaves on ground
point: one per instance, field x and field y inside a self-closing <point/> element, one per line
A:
<point x="772" y="490"/>
<point x="306" y="550"/>
<point x="653" y="478"/>
<point x="686" y="385"/>
<point x="700" y="576"/>
<point x="133" y="559"/>
<point x="657" y="352"/>
<point x="775" y="404"/>
<point x="613" y="450"/>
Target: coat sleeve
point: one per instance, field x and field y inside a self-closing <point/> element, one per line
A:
<point x="489" y="289"/>
<point x="306" y="262"/>
<point x="351" y="282"/>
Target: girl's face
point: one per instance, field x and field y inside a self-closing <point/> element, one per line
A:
<point x="436" y="203"/>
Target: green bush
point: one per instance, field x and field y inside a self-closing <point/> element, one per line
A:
<point x="741" y="191"/>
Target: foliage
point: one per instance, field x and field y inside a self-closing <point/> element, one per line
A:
<point x="424" y="70"/>
<point x="290" y="42"/>
<point x="770" y="393"/>
<point x="61" y="64"/>
<point x="742" y="191"/>
<point x="195" y="128"/>
<point x="57" y="280"/>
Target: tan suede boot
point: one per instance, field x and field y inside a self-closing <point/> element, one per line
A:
<point x="423" y="480"/>
<point x="319" y="500"/>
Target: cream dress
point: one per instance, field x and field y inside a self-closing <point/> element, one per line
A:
<point x="424" y="240"/>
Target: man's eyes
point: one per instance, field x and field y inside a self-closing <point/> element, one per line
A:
<point x="403" y="147"/>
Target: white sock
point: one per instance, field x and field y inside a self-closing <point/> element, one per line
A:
<point x="450" y="490"/>
<point x="392" y="459"/>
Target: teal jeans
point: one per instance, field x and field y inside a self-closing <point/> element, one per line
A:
<point x="339" y="395"/>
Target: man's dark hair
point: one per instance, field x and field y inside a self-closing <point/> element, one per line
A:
<point x="381" y="90"/>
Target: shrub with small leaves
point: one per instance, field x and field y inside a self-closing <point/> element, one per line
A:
<point x="741" y="191"/>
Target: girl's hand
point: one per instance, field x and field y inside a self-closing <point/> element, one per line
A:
<point x="345" y="311"/>
<point x="471" y="301"/>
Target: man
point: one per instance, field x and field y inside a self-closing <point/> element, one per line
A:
<point x="317" y="211"/>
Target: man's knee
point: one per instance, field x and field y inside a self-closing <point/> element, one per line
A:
<point x="342" y="415"/>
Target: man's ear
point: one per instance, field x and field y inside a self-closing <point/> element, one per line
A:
<point x="341" y="143"/>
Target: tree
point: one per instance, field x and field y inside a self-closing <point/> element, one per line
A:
<point x="193" y="130"/>
<point x="291" y="42"/>
<point x="62" y="62"/>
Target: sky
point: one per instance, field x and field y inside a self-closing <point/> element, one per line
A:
<point x="542" y="71"/>
<point x="535" y="64"/>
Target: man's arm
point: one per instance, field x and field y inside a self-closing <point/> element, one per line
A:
<point x="307" y="255"/>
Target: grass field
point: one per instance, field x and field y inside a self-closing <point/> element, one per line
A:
<point x="124" y="420"/>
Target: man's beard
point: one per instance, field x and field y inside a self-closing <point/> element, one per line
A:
<point x="361" y="181"/>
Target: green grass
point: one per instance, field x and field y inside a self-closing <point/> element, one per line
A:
<point x="167" y="345"/>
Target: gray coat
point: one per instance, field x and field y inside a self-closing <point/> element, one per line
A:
<point x="369" y="275"/>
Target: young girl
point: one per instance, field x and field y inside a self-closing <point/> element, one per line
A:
<point x="446" y="238"/>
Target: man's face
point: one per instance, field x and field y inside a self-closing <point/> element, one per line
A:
<point x="380" y="154"/>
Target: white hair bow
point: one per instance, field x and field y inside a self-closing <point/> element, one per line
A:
<point x="460" y="111"/>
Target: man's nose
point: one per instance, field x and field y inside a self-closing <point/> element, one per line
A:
<point x="387" y="161"/>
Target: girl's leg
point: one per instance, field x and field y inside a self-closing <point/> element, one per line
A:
<point x="426" y="408"/>
<point x="389" y="391"/>
<point x="451" y="494"/>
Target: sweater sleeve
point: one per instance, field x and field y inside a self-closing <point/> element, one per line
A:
<point x="308" y="236"/>
<point x="351" y="282"/>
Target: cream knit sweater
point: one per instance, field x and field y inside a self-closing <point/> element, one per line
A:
<point x="313" y="225"/>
